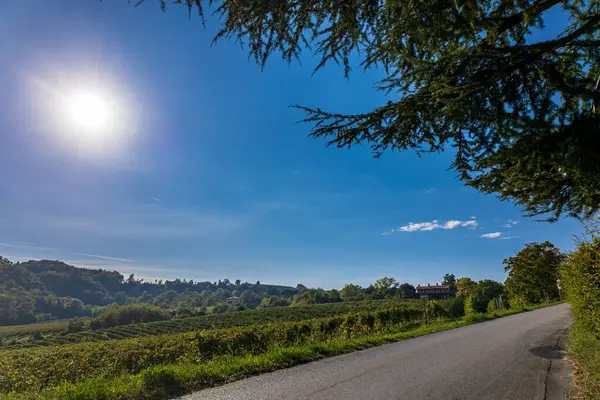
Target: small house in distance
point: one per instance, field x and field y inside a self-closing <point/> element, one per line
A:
<point x="233" y="301"/>
<point x="435" y="292"/>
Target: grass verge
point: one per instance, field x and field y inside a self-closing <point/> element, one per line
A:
<point x="170" y="380"/>
<point x="584" y="350"/>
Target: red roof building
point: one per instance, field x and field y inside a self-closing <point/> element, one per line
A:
<point x="437" y="292"/>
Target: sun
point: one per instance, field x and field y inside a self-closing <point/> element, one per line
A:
<point x="88" y="110"/>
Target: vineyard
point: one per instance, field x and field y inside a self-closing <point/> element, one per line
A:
<point x="37" y="368"/>
<point x="56" y="333"/>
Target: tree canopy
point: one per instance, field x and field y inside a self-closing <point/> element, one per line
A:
<point x="449" y="280"/>
<point x="533" y="271"/>
<point x="465" y="286"/>
<point x="521" y="115"/>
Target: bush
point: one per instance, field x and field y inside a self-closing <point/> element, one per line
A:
<point x="485" y="291"/>
<point x="580" y="283"/>
<point x="130" y="314"/>
<point x="455" y="307"/>
<point x="95" y="325"/>
<point x="474" y="317"/>
<point x="517" y="303"/>
<point x="435" y="309"/>
<point x="580" y="280"/>
<point x="498" y="303"/>
<point x="37" y="335"/>
<point x="76" y="325"/>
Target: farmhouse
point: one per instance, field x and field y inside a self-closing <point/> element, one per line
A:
<point x="233" y="301"/>
<point x="435" y="292"/>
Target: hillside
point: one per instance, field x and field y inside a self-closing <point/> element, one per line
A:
<point x="44" y="290"/>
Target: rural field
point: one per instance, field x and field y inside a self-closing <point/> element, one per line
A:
<point x="56" y="332"/>
<point x="104" y="336"/>
<point x="135" y="348"/>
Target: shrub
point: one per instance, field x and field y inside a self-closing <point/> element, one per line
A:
<point x="455" y="307"/>
<point x="469" y="305"/>
<point x="485" y="291"/>
<point x="37" y="335"/>
<point x="435" y="309"/>
<point x="497" y="303"/>
<point x="474" y="317"/>
<point x="76" y="325"/>
<point x="517" y="303"/>
<point x="580" y="280"/>
<point x="130" y="314"/>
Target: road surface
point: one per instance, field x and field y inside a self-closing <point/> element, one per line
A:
<point x="512" y="358"/>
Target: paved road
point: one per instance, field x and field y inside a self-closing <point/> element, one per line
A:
<point x="513" y="358"/>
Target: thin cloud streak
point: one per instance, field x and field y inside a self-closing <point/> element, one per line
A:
<point x="23" y="246"/>
<point x="125" y="260"/>
<point x="435" y="224"/>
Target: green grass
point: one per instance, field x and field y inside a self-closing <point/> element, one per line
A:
<point x="184" y="376"/>
<point x="584" y="349"/>
<point x="213" y="321"/>
<point x="49" y="326"/>
<point x="22" y="334"/>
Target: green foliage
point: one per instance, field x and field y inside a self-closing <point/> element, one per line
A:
<point x="580" y="283"/>
<point x="317" y="296"/>
<point x="516" y="303"/>
<point x="33" y="369"/>
<point x="41" y="290"/>
<point x="468" y="304"/>
<point x="450" y="281"/>
<point x="351" y="292"/>
<point x="533" y="272"/>
<point x="37" y="335"/>
<point x="584" y="347"/>
<point x="474" y="317"/>
<point x="580" y="279"/>
<point x="434" y="309"/>
<point x="169" y="380"/>
<point x="76" y="325"/>
<point x="455" y="307"/>
<point x="55" y="333"/>
<point x="497" y="303"/>
<point x="484" y="292"/>
<point x="407" y="291"/>
<point x="520" y="114"/>
<point x="131" y="314"/>
<point x="274" y="301"/>
<point x="465" y="286"/>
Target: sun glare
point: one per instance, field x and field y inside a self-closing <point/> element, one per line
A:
<point x="88" y="110"/>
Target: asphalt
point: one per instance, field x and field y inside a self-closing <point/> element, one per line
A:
<point x="513" y="358"/>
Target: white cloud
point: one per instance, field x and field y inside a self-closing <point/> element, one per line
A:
<point x="508" y="237"/>
<point x="435" y="224"/>
<point x="511" y="223"/>
<point x="430" y="190"/>
<point x="493" y="235"/>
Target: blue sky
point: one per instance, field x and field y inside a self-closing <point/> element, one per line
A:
<point x="205" y="173"/>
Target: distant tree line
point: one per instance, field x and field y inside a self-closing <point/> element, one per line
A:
<point x="44" y="290"/>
